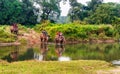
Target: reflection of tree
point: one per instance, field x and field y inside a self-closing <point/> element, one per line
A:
<point x="98" y="51"/>
<point x="59" y="49"/>
<point x="13" y="55"/>
<point x="29" y="54"/>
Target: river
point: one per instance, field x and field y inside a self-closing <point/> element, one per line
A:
<point x="50" y="52"/>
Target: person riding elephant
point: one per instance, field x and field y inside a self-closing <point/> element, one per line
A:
<point x="59" y="38"/>
<point x="14" y="28"/>
<point x="44" y="36"/>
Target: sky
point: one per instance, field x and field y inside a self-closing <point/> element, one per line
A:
<point x="65" y="7"/>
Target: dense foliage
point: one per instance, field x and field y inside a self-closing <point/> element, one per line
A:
<point x="95" y="12"/>
<point x="77" y="31"/>
<point x="30" y="12"/>
<point x="71" y="31"/>
<point x="5" y="35"/>
<point x="14" y="11"/>
<point x="48" y="10"/>
<point x="105" y="13"/>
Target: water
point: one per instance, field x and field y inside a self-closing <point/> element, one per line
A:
<point x="107" y="52"/>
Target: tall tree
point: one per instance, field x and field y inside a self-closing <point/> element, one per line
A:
<point x="106" y="13"/>
<point x="50" y="9"/>
<point x="76" y="11"/>
<point x="9" y="11"/>
<point x="93" y="4"/>
<point x="17" y="11"/>
<point x="80" y="12"/>
<point x="27" y="15"/>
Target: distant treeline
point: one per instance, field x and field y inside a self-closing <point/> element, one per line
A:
<point x="31" y="12"/>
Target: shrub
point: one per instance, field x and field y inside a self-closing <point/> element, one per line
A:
<point x="5" y="35"/>
<point x="23" y="41"/>
<point x="72" y="31"/>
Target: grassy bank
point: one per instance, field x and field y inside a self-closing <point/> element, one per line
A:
<point x="6" y="35"/>
<point x="53" y="67"/>
<point x="77" y="32"/>
<point x="72" y="31"/>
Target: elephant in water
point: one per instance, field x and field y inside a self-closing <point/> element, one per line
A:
<point x="14" y="29"/>
<point x="59" y="39"/>
<point x="44" y="37"/>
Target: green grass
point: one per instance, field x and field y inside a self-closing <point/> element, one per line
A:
<point x="71" y="31"/>
<point x="53" y="67"/>
<point x="7" y="36"/>
<point x="78" y="31"/>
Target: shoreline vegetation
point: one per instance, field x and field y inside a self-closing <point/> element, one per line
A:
<point x="74" y="33"/>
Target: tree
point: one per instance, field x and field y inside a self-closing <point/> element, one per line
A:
<point x="27" y="15"/>
<point x="91" y="7"/>
<point x="76" y="11"/>
<point x="106" y="13"/>
<point x="50" y="9"/>
<point x="15" y="11"/>
<point x="9" y="11"/>
<point x="93" y="4"/>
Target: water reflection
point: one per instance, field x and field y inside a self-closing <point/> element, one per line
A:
<point x="43" y="52"/>
<point x="116" y="62"/>
<point x="59" y="49"/>
<point x="107" y="52"/>
<point x="28" y="54"/>
<point x="13" y="55"/>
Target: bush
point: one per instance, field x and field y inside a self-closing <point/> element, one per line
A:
<point x="72" y="31"/>
<point x="5" y="35"/>
<point x="23" y="41"/>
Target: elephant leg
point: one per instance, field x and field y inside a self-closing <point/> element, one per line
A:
<point x="57" y="42"/>
<point x="61" y="42"/>
<point x="41" y="39"/>
<point x="11" y="31"/>
<point x="16" y="32"/>
<point x="45" y="40"/>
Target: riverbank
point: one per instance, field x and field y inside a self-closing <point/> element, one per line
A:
<point x="92" y="41"/>
<point x="76" y="34"/>
<point x="56" y="67"/>
<point x="9" y="44"/>
<point x="33" y="41"/>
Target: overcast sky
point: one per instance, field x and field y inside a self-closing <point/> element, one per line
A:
<point x="66" y="7"/>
